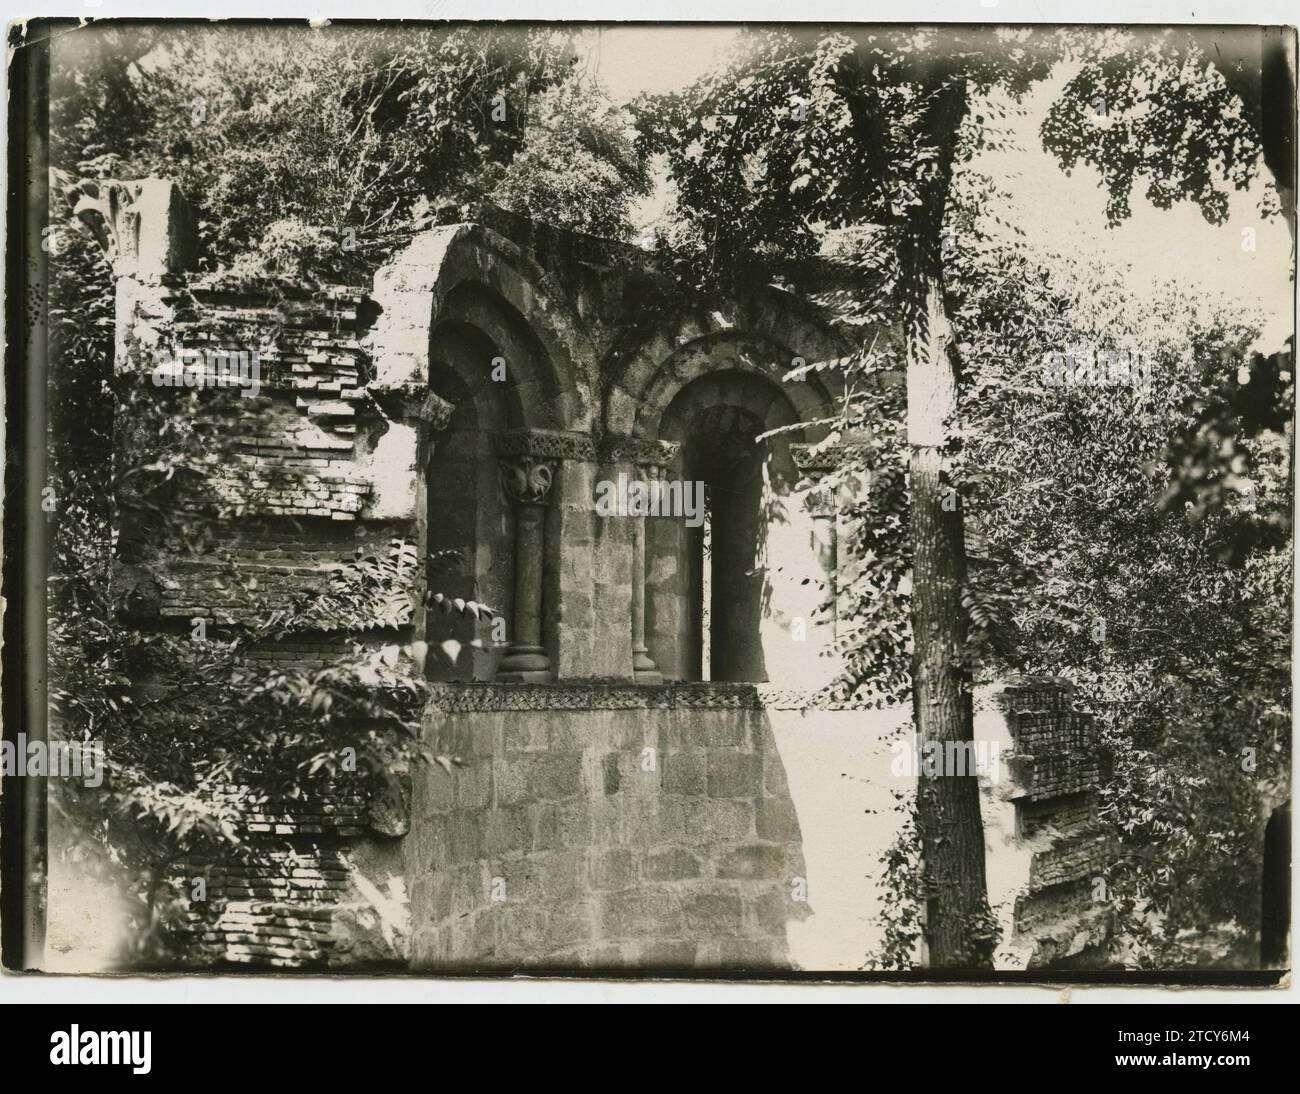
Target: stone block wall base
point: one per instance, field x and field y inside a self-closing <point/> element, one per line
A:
<point x="602" y="829"/>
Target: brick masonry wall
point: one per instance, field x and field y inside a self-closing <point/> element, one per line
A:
<point x="305" y="484"/>
<point x="282" y="558"/>
<point x="312" y="375"/>
<point x="311" y="484"/>
<point x="602" y="826"/>
<point x="307" y="888"/>
<point x="1047" y="849"/>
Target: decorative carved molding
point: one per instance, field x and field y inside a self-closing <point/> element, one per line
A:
<point x="639" y="450"/>
<point x="775" y="698"/>
<point x="106" y="208"/>
<point x="469" y="698"/>
<point x="527" y="480"/>
<point x="813" y="458"/>
<point x="546" y="444"/>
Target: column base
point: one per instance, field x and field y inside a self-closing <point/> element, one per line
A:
<point x="645" y="671"/>
<point x="525" y="665"/>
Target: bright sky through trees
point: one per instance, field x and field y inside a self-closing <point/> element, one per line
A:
<point x="1057" y="212"/>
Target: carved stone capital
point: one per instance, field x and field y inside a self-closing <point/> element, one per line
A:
<point x="527" y="480"/>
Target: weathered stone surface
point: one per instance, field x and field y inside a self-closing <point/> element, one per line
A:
<point x="654" y="858"/>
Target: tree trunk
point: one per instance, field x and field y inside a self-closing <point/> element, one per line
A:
<point x="959" y="929"/>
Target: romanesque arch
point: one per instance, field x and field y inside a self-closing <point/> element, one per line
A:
<point x="487" y="361"/>
<point x="634" y="824"/>
<point x="467" y="315"/>
<point x="713" y="607"/>
<point x="468" y="272"/>
<point x="768" y="334"/>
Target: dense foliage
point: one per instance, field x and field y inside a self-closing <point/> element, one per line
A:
<point x="314" y="152"/>
<point x="282" y="164"/>
<point x="578" y="167"/>
<point x="182" y="715"/>
<point x="1172" y="618"/>
<point x="1174" y="623"/>
<point x="1134" y="538"/>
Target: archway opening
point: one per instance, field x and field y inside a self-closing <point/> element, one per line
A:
<point x="707" y="585"/>
<point x="467" y="531"/>
<point x="724" y="553"/>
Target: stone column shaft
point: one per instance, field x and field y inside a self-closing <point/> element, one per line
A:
<point x="644" y="670"/>
<point x="528" y="482"/>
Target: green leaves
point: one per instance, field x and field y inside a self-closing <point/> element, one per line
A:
<point x="1073" y="501"/>
<point x="195" y="732"/>
<point x="811" y="130"/>
<point x="578" y="166"/>
<point x="1154" y="107"/>
<point x="304" y="134"/>
<point x="1063" y="491"/>
<point x="1228" y="464"/>
<point x="376" y="590"/>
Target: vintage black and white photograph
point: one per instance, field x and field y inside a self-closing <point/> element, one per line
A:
<point x="717" y="500"/>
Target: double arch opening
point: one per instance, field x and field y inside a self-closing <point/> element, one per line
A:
<point x="507" y="359"/>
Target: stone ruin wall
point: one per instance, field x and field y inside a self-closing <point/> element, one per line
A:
<point x="1047" y="849"/>
<point x="550" y="843"/>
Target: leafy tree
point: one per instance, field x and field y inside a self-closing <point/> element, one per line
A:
<point x="1178" y="639"/>
<point x="311" y="148"/>
<point x="1173" y="634"/>
<point x="814" y="129"/>
<point x="578" y="167"/>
